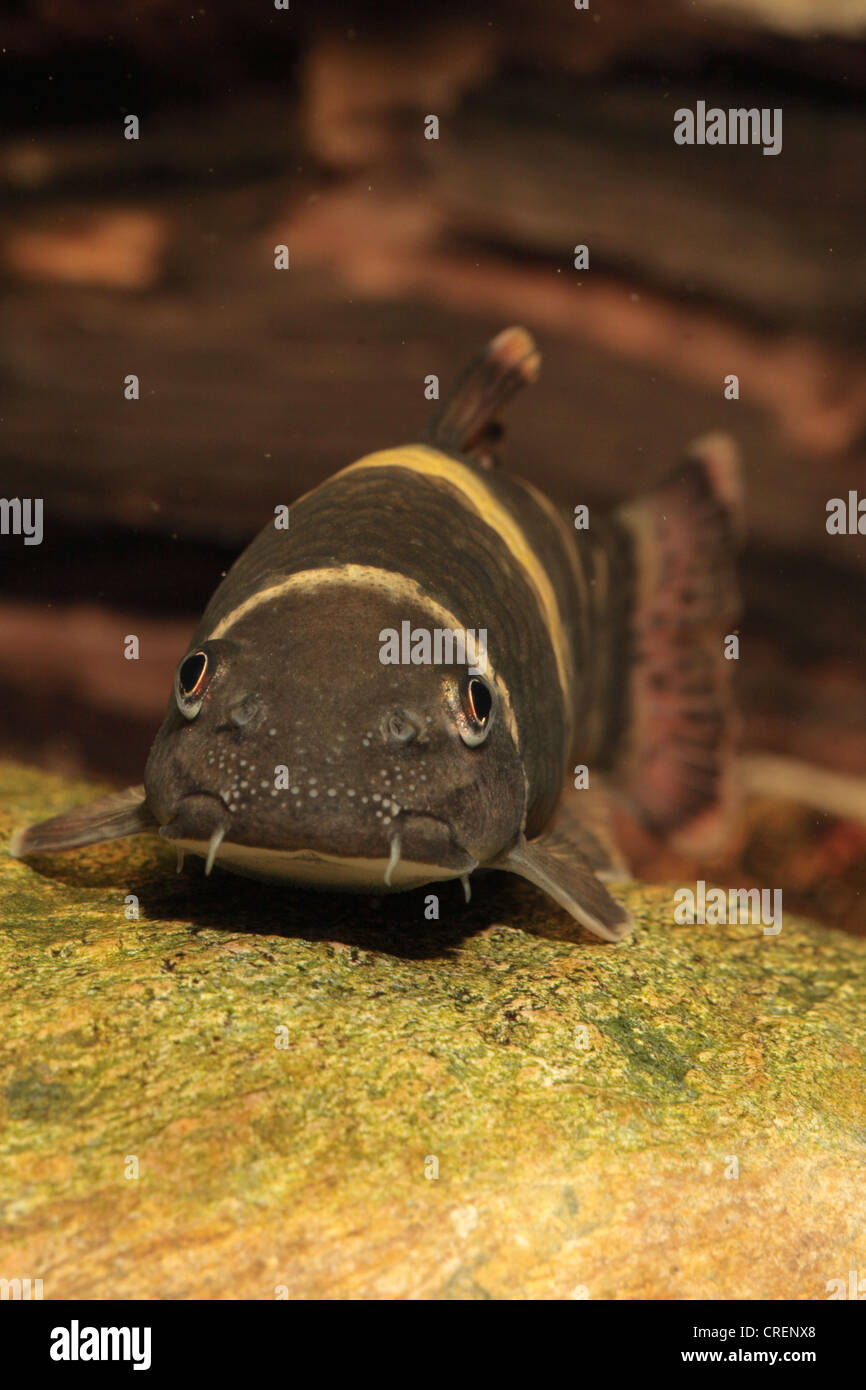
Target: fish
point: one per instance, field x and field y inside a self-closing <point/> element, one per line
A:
<point x="299" y="747"/>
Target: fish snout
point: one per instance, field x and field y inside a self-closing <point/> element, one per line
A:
<point x="196" y="817"/>
<point x="200" y="817"/>
<point x="427" y="839"/>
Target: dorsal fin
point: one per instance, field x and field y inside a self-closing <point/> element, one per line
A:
<point x="465" y="422"/>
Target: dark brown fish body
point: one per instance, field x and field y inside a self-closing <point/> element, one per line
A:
<point x="294" y="749"/>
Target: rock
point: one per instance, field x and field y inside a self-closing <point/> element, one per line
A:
<point x="583" y="1105"/>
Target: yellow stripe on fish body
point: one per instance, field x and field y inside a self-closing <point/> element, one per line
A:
<point x="474" y="490"/>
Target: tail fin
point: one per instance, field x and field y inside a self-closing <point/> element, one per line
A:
<point x="675" y="765"/>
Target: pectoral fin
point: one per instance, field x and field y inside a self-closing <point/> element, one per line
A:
<point x="589" y="828"/>
<point x="559" y="868"/>
<point x="110" y="818"/>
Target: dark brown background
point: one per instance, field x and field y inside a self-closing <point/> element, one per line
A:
<point x="556" y="128"/>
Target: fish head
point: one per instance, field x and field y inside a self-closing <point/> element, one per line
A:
<point x="296" y="750"/>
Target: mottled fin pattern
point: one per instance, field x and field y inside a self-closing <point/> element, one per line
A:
<point x="465" y="422"/>
<point x="110" y="818"/>
<point x="675" y="766"/>
<point x="556" y="866"/>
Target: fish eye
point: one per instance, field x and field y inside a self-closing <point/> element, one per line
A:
<point x="191" y="681"/>
<point x="479" y="700"/>
<point x="473" y="705"/>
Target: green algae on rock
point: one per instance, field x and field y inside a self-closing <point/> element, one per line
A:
<point x="330" y="1096"/>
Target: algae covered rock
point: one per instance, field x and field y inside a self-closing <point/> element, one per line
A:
<point x="216" y="1089"/>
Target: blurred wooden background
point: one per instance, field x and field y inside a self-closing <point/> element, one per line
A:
<point x="305" y="127"/>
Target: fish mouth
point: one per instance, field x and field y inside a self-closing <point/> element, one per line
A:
<point x="195" y="813"/>
<point x="408" y="822"/>
<point x="441" y="852"/>
<point x="419" y="848"/>
<point x="193" y="810"/>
